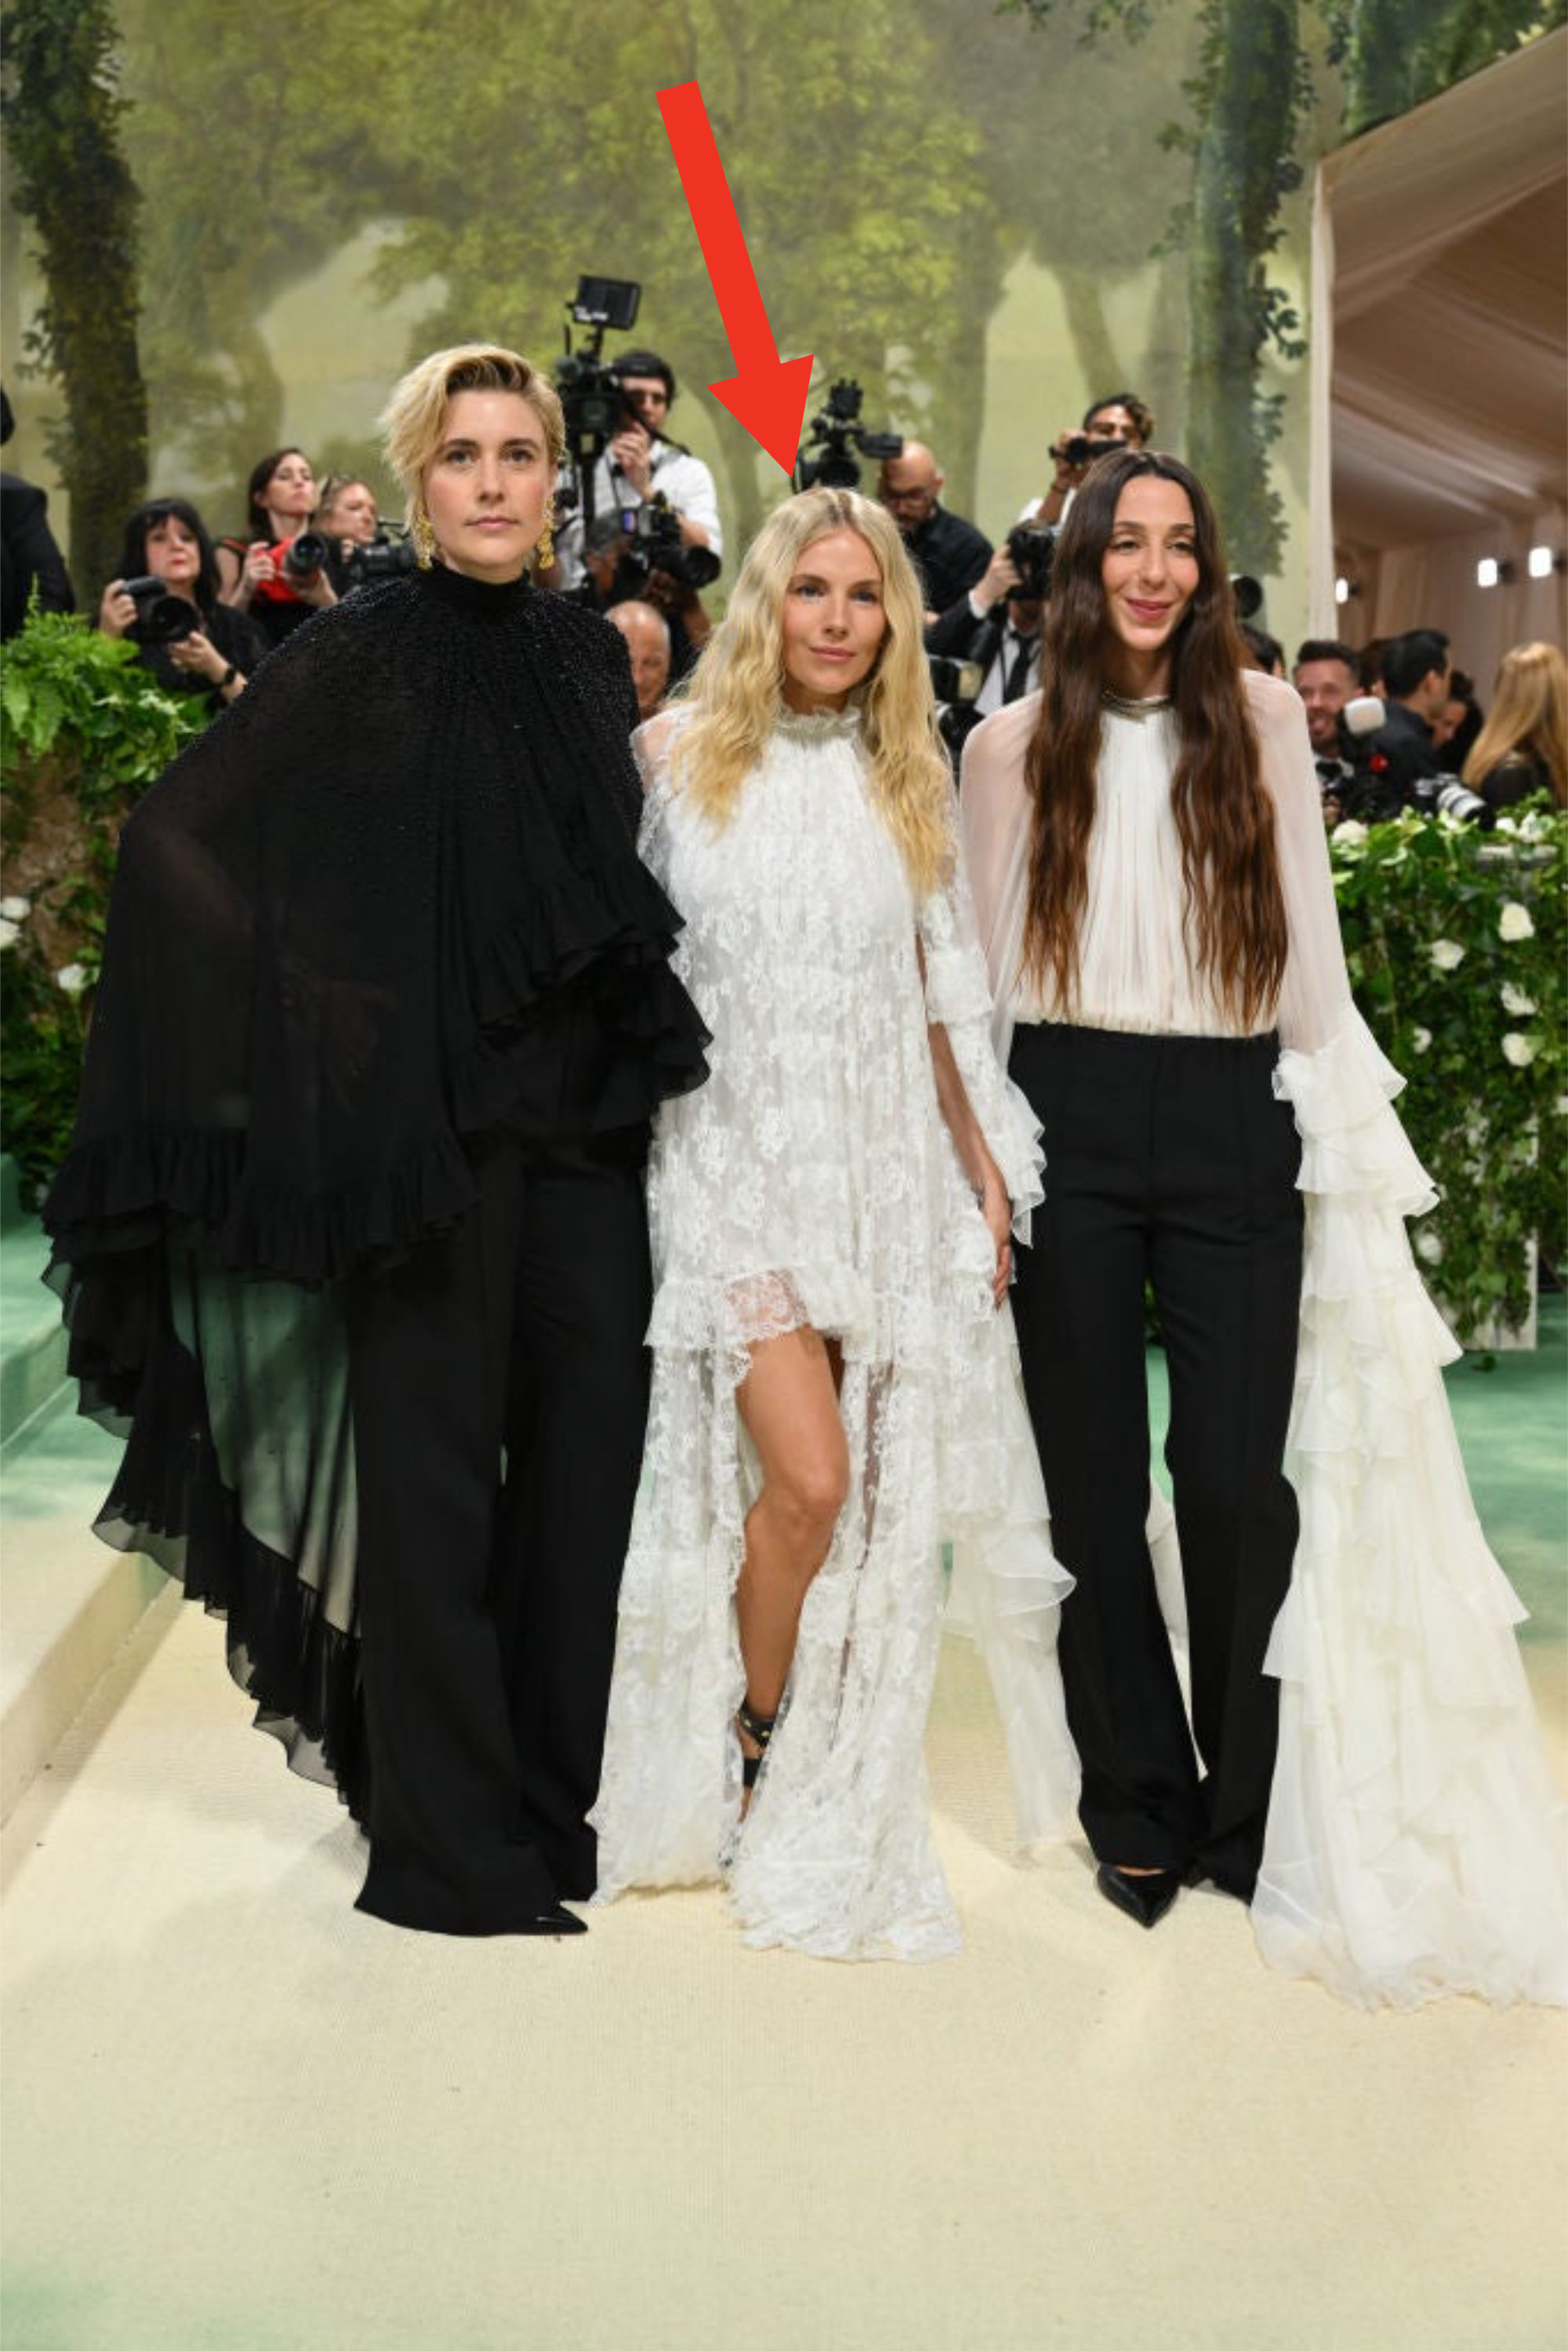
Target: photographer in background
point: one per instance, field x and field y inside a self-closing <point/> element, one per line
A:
<point x="641" y="464"/>
<point x="949" y="553"/>
<point x="1404" y="752"/>
<point x="361" y="548"/>
<point x="1324" y="676"/>
<point x="616" y="570"/>
<point x="166" y="601"/>
<point x="278" y="573"/>
<point x="1120" y="420"/>
<point x="997" y="626"/>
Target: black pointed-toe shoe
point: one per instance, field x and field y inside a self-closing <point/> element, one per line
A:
<point x="553" y="1921"/>
<point x="1143" y="1895"/>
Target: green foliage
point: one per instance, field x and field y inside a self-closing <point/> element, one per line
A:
<point x="1397" y="54"/>
<point x="68" y="692"/>
<point x="1475" y="1017"/>
<point x="83" y="731"/>
<point x="63" y="117"/>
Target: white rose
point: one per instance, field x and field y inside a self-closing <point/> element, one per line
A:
<point x="1447" y="953"/>
<point x="1504" y="824"/>
<point x="1349" y="833"/>
<point x="1429" y="1245"/>
<point x="71" y="978"/>
<point x="1520" y="1051"/>
<point x="9" y="933"/>
<point x="14" y="910"/>
<point x="1514" y="999"/>
<point x="1514" y="922"/>
<point x="1420" y="1039"/>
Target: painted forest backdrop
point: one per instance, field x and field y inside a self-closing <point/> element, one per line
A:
<point x="226" y="226"/>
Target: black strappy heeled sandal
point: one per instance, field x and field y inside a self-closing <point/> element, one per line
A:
<point x="759" y="1729"/>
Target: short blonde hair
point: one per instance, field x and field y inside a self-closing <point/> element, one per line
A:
<point x="414" y="417"/>
<point x="737" y="691"/>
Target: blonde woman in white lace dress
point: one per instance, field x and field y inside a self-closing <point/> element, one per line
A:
<point x="835" y="1385"/>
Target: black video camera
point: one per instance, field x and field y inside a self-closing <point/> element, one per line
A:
<point x="1082" y="448"/>
<point x="654" y="543"/>
<point x="388" y="556"/>
<point x="161" y="619"/>
<point x="836" y="426"/>
<point x="590" y="394"/>
<point x="1032" y="547"/>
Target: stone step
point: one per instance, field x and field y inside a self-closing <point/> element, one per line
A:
<point x="69" y="1601"/>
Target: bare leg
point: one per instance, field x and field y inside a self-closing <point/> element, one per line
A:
<point x="790" y="1404"/>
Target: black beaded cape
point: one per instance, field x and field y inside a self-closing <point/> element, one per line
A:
<point x="340" y="922"/>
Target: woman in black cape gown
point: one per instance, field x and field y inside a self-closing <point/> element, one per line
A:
<point x="351" y="1238"/>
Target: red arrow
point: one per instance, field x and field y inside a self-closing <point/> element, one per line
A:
<point x="766" y="394"/>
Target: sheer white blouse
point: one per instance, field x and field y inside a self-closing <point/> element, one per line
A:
<point x="1135" y="969"/>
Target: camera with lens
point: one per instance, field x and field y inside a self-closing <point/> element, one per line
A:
<point x="388" y="556"/>
<point x="835" y="428"/>
<point x="1032" y="547"/>
<point x="1082" y="448"/>
<point x="1447" y="796"/>
<point x="297" y="559"/>
<point x="654" y="543"/>
<point x="161" y="619"/>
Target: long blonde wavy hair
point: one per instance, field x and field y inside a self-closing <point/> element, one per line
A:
<point x="1529" y="714"/>
<point x="737" y="688"/>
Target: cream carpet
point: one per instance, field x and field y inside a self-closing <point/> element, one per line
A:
<point x="241" y="2117"/>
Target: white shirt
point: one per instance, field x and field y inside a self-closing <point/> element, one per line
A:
<point x="684" y="480"/>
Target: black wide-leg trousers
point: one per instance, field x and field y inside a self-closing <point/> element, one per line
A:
<point x="1168" y="1158"/>
<point x="499" y="1385"/>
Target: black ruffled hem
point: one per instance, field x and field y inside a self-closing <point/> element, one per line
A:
<point x="120" y="1195"/>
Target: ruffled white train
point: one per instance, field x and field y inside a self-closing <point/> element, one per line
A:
<point x="1415" y="1842"/>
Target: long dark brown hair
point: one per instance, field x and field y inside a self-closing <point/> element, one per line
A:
<point x="1225" y="820"/>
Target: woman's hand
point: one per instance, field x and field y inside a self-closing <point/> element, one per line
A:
<point x="257" y="568"/>
<point x="315" y="589"/>
<point x="997" y="1211"/>
<point x="117" y="612"/>
<point x="197" y="657"/>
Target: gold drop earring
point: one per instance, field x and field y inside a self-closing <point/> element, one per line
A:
<point x="544" y="552"/>
<point x="423" y="534"/>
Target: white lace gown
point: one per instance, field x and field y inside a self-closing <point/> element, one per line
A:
<point x="812" y="1181"/>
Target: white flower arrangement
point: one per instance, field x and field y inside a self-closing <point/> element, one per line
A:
<point x="1448" y="954"/>
<point x="1520" y="1051"/>
<point x="1516" y="1002"/>
<point x="1513" y="922"/>
<point x="1350" y="833"/>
